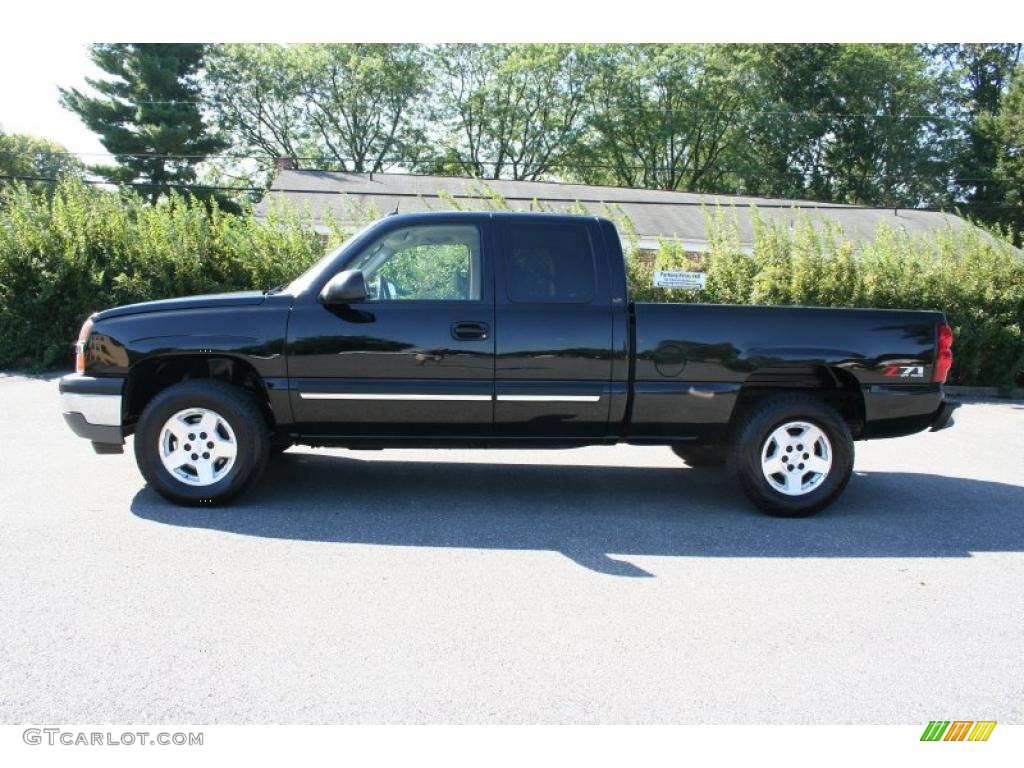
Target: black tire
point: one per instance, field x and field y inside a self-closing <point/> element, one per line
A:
<point x="754" y="432"/>
<point x="700" y="455"/>
<point x="233" y="405"/>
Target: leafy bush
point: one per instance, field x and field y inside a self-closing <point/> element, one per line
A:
<point x="83" y="249"/>
<point x="86" y="249"/>
<point x="975" y="277"/>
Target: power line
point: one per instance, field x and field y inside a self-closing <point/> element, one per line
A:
<point x="126" y="102"/>
<point x="146" y="184"/>
<point x="158" y="155"/>
<point x="653" y="110"/>
<point x="796" y="204"/>
<point x="557" y="164"/>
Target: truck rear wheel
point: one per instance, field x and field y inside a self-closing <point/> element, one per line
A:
<point x="201" y="442"/>
<point x="793" y="455"/>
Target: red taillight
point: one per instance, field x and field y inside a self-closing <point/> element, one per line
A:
<point x="943" y="354"/>
<point x="83" y="339"/>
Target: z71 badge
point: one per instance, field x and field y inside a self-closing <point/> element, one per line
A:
<point x="905" y="371"/>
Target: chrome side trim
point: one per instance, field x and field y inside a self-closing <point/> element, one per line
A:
<point x="549" y="398"/>
<point x="456" y="398"/>
<point x="374" y="396"/>
<point x="100" y="410"/>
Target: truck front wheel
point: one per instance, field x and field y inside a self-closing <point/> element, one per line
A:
<point x="201" y="442"/>
<point x="793" y="455"/>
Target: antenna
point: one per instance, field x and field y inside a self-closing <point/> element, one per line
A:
<point x="394" y="212"/>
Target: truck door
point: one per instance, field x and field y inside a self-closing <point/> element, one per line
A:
<point x="416" y="359"/>
<point x="553" y="330"/>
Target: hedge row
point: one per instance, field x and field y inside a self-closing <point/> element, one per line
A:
<point x="81" y="248"/>
<point x="975" y="277"/>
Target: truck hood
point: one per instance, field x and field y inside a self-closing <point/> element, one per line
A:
<point x="207" y="301"/>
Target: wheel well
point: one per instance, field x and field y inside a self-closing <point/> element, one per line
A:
<point x="837" y="388"/>
<point x="152" y="376"/>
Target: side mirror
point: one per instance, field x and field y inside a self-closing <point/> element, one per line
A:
<point x="346" y="287"/>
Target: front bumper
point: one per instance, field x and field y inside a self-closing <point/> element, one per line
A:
<point x="944" y="416"/>
<point x="92" y="408"/>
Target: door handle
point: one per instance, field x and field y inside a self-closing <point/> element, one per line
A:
<point x="470" y="331"/>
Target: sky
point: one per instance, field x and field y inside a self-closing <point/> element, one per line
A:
<point x="29" y="103"/>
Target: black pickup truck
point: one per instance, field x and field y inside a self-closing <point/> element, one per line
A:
<point x="499" y="330"/>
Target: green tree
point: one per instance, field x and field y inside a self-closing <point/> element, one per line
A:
<point x="353" y="106"/>
<point x="795" y="101"/>
<point x="1005" y="131"/>
<point x="508" y="111"/>
<point x="255" y="97"/>
<point x="663" y="116"/>
<point x="147" y="114"/>
<point x="848" y="123"/>
<point x="32" y="156"/>
<point x="978" y="77"/>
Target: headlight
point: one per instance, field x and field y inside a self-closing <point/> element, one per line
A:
<point x="83" y="339"/>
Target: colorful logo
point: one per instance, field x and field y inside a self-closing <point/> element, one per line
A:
<point x="905" y="371"/>
<point x="958" y="730"/>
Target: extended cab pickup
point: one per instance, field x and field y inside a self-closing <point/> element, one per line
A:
<point x="499" y="330"/>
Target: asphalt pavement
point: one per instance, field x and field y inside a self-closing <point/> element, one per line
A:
<point x="599" y="585"/>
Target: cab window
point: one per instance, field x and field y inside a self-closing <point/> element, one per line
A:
<point x="432" y="262"/>
<point x="551" y="263"/>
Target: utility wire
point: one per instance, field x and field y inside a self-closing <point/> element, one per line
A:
<point x="162" y="185"/>
<point x="653" y="110"/>
<point x="413" y="162"/>
<point x="796" y="204"/>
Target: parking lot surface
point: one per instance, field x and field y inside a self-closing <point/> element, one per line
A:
<point x="599" y="585"/>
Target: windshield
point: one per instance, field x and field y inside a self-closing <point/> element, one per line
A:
<point x="307" y="278"/>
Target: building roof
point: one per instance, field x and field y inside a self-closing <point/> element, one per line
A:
<point x="654" y="213"/>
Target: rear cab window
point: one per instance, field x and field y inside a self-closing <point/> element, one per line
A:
<point x="549" y="262"/>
